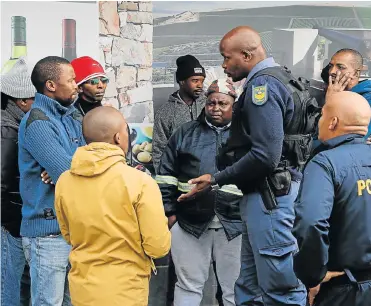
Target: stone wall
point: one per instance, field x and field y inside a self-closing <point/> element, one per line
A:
<point x="125" y="42"/>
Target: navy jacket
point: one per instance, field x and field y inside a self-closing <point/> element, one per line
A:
<point x="264" y="123"/>
<point x="191" y="152"/>
<point x="333" y="211"/>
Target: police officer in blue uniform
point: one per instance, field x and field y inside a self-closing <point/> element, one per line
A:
<point x="333" y="209"/>
<point x="261" y="115"/>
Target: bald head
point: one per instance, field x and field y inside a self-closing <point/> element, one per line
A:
<point x="105" y="124"/>
<point x="344" y="113"/>
<point x="243" y="38"/>
<point x="242" y="49"/>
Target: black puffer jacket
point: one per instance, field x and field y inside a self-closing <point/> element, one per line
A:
<point x="191" y="152"/>
<point x="11" y="202"/>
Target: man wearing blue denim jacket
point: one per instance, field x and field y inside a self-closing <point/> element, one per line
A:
<point x="265" y="108"/>
<point x="49" y="134"/>
<point x="333" y="209"/>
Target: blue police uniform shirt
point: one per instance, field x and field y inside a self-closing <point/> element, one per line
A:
<point x="266" y="109"/>
<point x="333" y="210"/>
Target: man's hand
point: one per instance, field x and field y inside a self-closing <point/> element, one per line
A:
<point x="171" y="221"/>
<point x="340" y="82"/>
<point x="314" y="291"/>
<point x="312" y="294"/>
<point x="330" y="275"/>
<point x="369" y="140"/>
<point x="46" y="178"/>
<point x="202" y="183"/>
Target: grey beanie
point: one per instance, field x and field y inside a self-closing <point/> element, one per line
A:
<point x="16" y="82"/>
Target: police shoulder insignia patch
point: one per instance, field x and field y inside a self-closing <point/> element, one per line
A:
<point x="260" y="94"/>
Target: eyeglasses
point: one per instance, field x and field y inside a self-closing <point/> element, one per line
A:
<point x="95" y="81"/>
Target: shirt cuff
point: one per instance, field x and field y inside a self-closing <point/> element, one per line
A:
<point x="220" y="178"/>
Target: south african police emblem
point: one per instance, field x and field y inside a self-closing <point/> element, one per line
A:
<point x="259" y="94"/>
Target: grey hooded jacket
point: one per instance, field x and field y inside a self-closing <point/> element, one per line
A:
<point x="168" y="118"/>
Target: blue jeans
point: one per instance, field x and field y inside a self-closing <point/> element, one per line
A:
<point x="267" y="276"/>
<point x="49" y="266"/>
<point x="12" y="267"/>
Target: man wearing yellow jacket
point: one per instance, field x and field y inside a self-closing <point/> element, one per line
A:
<point x="112" y="215"/>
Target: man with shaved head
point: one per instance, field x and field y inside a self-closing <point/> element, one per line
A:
<point x="102" y="125"/>
<point x="333" y="209"/>
<point x="263" y="157"/>
<point x="112" y="215"/>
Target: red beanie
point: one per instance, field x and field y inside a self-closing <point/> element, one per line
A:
<point x="86" y="68"/>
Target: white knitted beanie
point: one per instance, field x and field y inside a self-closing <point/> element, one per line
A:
<point x="17" y="83"/>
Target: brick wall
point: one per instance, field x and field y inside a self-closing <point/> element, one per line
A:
<point x="125" y="42"/>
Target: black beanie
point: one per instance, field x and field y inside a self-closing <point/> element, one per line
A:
<point x="188" y="66"/>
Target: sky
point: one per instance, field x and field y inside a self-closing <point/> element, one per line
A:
<point x="169" y="8"/>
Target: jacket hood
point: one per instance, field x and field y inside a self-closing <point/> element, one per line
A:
<point x="174" y="97"/>
<point x="362" y="87"/>
<point x="96" y="158"/>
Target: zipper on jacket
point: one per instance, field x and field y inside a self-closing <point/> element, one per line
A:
<point x="218" y="145"/>
<point x="190" y="111"/>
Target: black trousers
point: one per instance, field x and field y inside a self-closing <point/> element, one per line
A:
<point x="358" y="294"/>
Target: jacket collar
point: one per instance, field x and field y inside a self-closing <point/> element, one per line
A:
<point x="84" y="106"/>
<point x="12" y="115"/>
<point x="51" y="106"/>
<point x="362" y="87"/>
<point x="266" y="63"/>
<point x="338" y="141"/>
<point x="175" y="97"/>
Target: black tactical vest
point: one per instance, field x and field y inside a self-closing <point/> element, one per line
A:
<point x="298" y="132"/>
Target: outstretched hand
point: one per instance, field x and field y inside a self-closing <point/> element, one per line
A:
<point x="201" y="183"/>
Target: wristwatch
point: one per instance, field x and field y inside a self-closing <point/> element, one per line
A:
<point x="214" y="184"/>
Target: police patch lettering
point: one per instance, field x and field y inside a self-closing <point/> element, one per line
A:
<point x="259" y="94"/>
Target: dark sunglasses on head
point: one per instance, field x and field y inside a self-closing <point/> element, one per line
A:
<point x="95" y="81"/>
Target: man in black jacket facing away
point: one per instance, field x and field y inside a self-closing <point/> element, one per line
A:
<point x="208" y="227"/>
<point x="17" y="95"/>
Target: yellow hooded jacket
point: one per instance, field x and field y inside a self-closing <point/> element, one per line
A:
<point x="113" y="217"/>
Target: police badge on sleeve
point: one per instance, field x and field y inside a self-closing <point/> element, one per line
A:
<point x="259" y="94"/>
